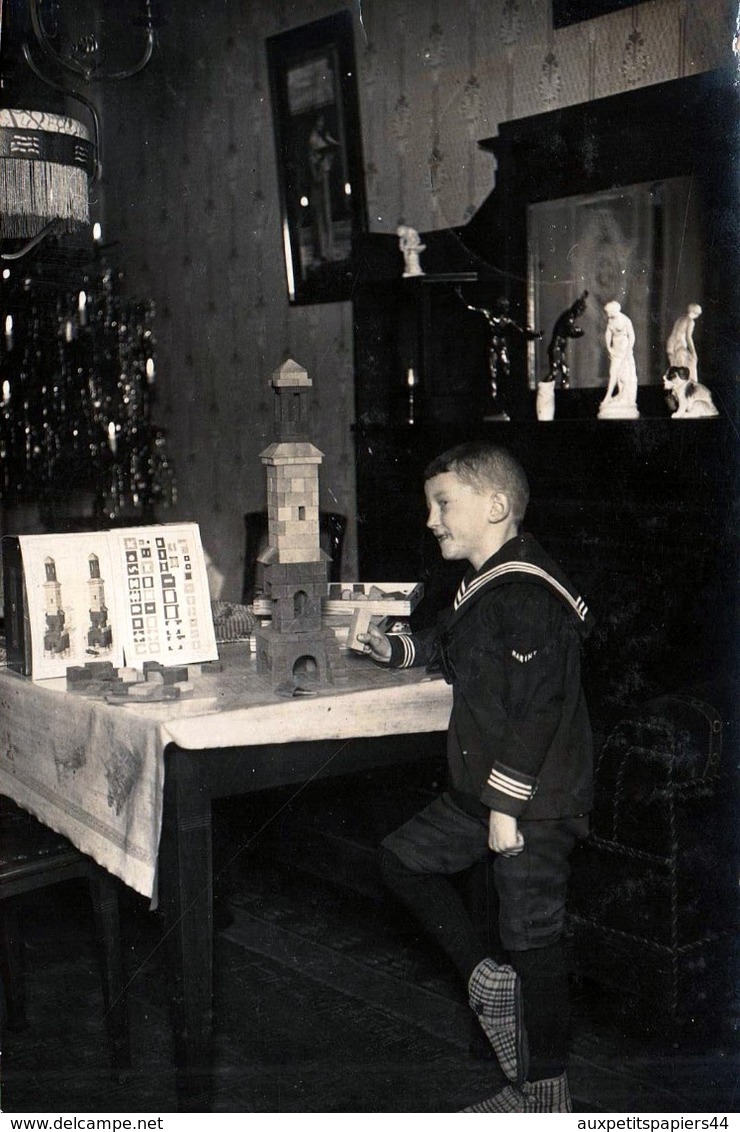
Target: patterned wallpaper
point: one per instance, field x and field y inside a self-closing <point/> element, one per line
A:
<point x="189" y="193"/>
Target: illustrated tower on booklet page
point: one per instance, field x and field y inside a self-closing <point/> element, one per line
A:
<point x="99" y="634"/>
<point x="56" y="636"/>
<point x="295" y="574"/>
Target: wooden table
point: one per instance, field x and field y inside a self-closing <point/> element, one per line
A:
<point x="236" y="737"/>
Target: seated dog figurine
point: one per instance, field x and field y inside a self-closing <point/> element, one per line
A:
<point x="691" y="397"/>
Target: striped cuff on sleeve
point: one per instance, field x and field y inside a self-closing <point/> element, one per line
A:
<point x="403" y="650"/>
<point x="508" y="790"/>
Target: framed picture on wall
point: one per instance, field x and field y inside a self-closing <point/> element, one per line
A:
<point x="316" y="118"/>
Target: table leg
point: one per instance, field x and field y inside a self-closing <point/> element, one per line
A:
<point x="104" y="893"/>
<point x="186" y="897"/>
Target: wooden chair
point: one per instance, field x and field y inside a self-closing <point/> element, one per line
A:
<point x="33" y="857"/>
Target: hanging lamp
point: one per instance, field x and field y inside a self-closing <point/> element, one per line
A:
<point x="48" y="160"/>
<point x="46" y="164"/>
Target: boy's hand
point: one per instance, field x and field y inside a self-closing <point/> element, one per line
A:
<point x="376" y="644"/>
<point x="504" y="836"/>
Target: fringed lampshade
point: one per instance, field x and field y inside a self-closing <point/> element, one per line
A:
<point x="46" y="161"/>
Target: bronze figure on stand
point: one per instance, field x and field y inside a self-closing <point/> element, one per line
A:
<point x="565" y="327"/>
<point x="499" y="363"/>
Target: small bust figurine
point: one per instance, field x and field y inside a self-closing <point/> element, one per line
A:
<point x="680" y="346"/>
<point x="411" y="247"/>
<point x="620" y="399"/>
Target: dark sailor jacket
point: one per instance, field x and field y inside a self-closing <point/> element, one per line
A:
<point x="519" y="738"/>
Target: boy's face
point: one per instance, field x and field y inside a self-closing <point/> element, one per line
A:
<point x="461" y="519"/>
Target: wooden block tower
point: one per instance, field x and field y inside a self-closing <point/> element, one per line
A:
<point x="295" y="574"/>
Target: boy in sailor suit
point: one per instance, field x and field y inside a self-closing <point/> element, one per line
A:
<point x="519" y="754"/>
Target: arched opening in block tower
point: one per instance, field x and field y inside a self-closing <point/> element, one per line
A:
<point x="306" y="667"/>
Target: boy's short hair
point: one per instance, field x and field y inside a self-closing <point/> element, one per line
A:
<point x="485" y="467"/>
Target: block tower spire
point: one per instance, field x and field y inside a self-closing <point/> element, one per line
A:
<point x="295" y="567"/>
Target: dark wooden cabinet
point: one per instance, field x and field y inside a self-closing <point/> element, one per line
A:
<point x="684" y="128"/>
<point x="419" y="352"/>
<point x="639" y="512"/>
<point x="687" y="129"/>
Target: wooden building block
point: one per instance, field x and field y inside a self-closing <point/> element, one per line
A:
<point x="360" y="622"/>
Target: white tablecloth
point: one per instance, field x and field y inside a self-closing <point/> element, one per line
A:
<point x="94" y="771"/>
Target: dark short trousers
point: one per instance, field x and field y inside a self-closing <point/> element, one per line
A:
<point x="531" y="886"/>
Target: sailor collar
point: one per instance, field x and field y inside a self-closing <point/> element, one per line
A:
<point x="507" y="571"/>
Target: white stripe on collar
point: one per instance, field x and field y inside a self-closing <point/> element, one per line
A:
<point x="471" y="589"/>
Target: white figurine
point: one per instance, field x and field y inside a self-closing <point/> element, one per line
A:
<point x="411" y="246"/>
<point x="680" y="346"/>
<point x="690" y="397"/>
<point x="620" y="399"/>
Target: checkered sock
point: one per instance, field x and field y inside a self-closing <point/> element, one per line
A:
<point x="550" y="1095"/>
<point x="495" y="996"/>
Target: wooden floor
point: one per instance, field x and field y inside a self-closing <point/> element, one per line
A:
<point x="326" y="1000"/>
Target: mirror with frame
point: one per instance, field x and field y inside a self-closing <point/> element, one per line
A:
<point x="640" y="245"/>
